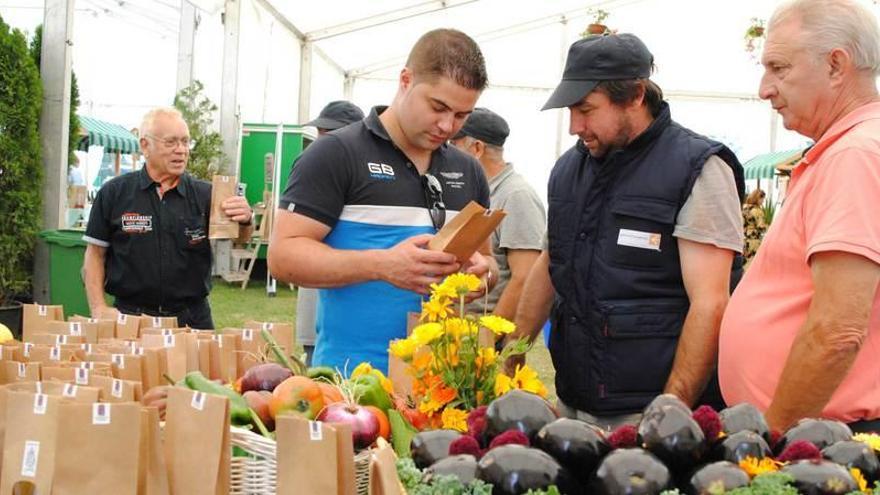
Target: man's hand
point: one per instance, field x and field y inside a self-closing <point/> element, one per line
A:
<point x="481" y="266"/>
<point x="411" y="266"/>
<point x="237" y="209"/>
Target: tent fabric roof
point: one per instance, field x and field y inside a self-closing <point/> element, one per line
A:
<point x="764" y="166"/>
<point x="113" y="137"/>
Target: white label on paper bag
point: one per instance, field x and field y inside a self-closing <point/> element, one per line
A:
<point x="22" y="370"/>
<point x="86" y="347"/>
<point x="198" y="401"/>
<point x="42" y="310"/>
<point x="100" y="413"/>
<point x="122" y="318"/>
<point x="315" y="432"/>
<point x="132" y="347"/>
<point x="55" y="353"/>
<point x="639" y="239"/>
<point x="69" y="390"/>
<point x="38" y="386"/>
<point x="76" y="328"/>
<point x="140" y="351"/>
<point x="60" y="339"/>
<point x="40" y="402"/>
<point x="29" y="459"/>
<point x="82" y="376"/>
<point x="27" y="349"/>
<point x="248" y="334"/>
<point x="118" y="360"/>
<point x="169" y="340"/>
<point x="218" y="339"/>
<point x="167" y="331"/>
<point x="87" y="365"/>
<point x="116" y="389"/>
<point x="267" y="326"/>
<point x="92" y="320"/>
<point x="157" y="322"/>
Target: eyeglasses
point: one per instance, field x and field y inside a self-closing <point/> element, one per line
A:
<point x="171" y="143"/>
<point x="434" y="199"/>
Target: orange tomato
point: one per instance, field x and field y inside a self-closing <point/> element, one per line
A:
<point x="298" y="395"/>
<point x="330" y="392"/>
<point x="384" y="425"/>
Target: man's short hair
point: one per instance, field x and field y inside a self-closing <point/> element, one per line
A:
<point x="830" y="24"/>
<point x="449" y="53"/>
<point x="150" y="118"/>
<point x="623" y="92"/>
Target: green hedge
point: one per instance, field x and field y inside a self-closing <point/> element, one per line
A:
<point x="20" y="163"/>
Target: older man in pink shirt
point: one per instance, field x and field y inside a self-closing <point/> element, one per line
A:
<point x="801" y="335"/>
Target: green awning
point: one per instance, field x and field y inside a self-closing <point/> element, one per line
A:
<point x="764" y="166"/>
<point x="113" y="137"/>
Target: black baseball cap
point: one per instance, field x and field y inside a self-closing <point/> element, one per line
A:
<point x="337" y="114"/>
<point x="485" y="125"/>
<point x="611" y="57"/>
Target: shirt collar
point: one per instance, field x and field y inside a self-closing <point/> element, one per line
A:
<point x="145" y="182"/>
<point x="506" y="172"/>
<point x="871" y="111"/>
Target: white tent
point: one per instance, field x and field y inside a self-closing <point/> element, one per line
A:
<point x="126" y="55"/>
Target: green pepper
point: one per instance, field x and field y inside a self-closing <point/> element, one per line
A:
<point x="323" y="373"/>
<point x="239" y="412"/>
<point x="369" y="391"/>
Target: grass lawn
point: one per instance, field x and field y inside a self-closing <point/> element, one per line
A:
<point x="232" y="306"/>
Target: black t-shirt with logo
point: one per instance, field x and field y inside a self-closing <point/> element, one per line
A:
<point x="158" y="252"/>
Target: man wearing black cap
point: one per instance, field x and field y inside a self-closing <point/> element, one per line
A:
<point x="335" y="115"/>
<point x="644" y="236"/>
<point x="517" y="242"/>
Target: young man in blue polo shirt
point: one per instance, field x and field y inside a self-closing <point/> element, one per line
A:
<point x="363" y="202"/>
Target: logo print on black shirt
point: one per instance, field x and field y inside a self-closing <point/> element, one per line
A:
<point x="135" y="223"/>
<point x="380" y="171"/>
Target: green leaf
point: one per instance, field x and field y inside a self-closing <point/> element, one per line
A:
<point x="402" y="433"/>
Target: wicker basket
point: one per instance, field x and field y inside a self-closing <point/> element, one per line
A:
<point x="255" y="475"/>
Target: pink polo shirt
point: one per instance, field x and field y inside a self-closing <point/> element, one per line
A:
<point x="833" y="204"/>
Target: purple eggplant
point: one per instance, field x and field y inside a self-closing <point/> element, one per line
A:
<point x="820" y="432"/>
<point x="853" y="454"/>
<point x="630" y="472"/>
<point x="575" y="444"/>
<point x="430" y="446"/>
<point x="738" y="446"/>
<point x="820" y="478"/>
<point x="463" y="467"/>
<point x="718" y="477"/>
<point x="514" y="469"/>
<point x="518" y="410"/>
<point x="674" y="437"/>
<point x="744" y="417"/>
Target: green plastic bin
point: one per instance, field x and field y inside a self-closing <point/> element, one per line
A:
<point x="66" y="252"/>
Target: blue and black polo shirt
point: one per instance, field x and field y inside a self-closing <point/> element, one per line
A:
<point x="359" y="183"/>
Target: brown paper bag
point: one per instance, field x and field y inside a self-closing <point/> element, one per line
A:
<point x="197" y="444"/>
<point x="251" y="347"/>
<point x="345" y="473"/>
<point x="160" y="322"/>
<point x="116" y="390"/>
<point x="224" y="365"/>
<point x="11" y="351"/>
<point x="155" y="366"/>
<point x="152" y="471"/>
<point x="175" y="353"/>
<point x="383" y="472"/>
<point x="106" y="326"/>
<point x="282" y="332"/>
<point x="95" y="449"/>
<point x="70" y="391"/>
<point x="307" y="450"/>
<point x="163" y="331"/>
<point x="29" y="448"/>
<point x="16" y="371"/>
<point x="89" y="331"/>
<point x="35" y="316"/>
<point x="53" y="354"/>
<point x="55" y="339"/>
<point x="465" y="233"/>
<point x="127" y="326"/>
<point x="221" y="226"/>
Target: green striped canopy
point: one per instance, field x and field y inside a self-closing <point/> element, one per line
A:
<point x="113" y="137"/>
<point x="764" y="166"/>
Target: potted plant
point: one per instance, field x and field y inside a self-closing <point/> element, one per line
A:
<point x="754" y="36"/>
<point x="20" y="170"/>
<point x="207" y="155"/>
<point x="597" y="27"/>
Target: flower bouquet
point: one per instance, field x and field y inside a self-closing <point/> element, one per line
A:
<point x="452" y="372"/>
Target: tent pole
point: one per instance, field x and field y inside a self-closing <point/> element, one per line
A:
<point x="185" y="44"/>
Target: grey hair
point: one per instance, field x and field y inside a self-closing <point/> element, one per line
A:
<point x="830" y="24"/>
<point x="150" y="117"/>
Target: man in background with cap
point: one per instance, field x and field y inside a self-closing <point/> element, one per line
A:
<point x="517" y="242"/>
<point x="644" y="236"/>
<point x="335" y="115"/>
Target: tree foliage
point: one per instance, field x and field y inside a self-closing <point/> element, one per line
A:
<point x="198" y="112"/>
<point x="20" y="163"/>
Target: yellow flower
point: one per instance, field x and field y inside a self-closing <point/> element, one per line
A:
<point x="527" y="379"/>
<point x="462" y="283"/>
<point x="362" y="369"/>
<point x="452" y="354"/>
<point x="423" y="360"/>
<point x="454" y="419"/>
<point x="498" y="324"/>
<point x="872" y="439"/>
<point x="403" y="348"/>
<point x="438" y="396"/>
<point x="754" y="467"/>
<point x="860" y="480"/>
<point x="502" y="384"/>
<point x="440" y="291"/>
<point x="459" y="327"/>
<point x="486" y="357"/>
<point x="426" y="333"/>
<point x="436" y="308"/>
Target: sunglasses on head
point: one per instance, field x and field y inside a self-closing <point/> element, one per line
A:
<point x="434" y="199"/>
